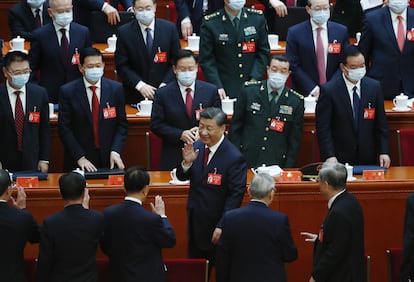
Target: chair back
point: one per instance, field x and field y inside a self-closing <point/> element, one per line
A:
<point x="394" y="262"/>
<point x="295" y="15"/>
<point x="186" y="270"/>
<point x="103" y="269"/>
<point x="101" y="29"/>
<point x="153" y="150"/>
<point x="171" y="12"/>
<point x="316" y="156"/>
<point x="405" y="140"/>
<point x="368" y="267"/>
<point x="30" y="265"/>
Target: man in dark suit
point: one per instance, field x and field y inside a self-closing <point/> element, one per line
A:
<point x="339" y="246"/>
<point x="92" y="121"/>
<point x="256" y="234"/>
<point x="55" y="48"/>
<point x="351" y="125"/>
<point x="175" y="113"/>
<point x="82" y="10"/>
<point x="134" y="237"/>
<point x="234" y="47"/>
<point x="26" y="16"/>
<point x="217" y="173"/>
<point x="24" y="118"/>
<point x="69" y="239"/>
<point x="268" y="119"/>
<point x="144" y="52"/>
<point x="17" y="227"/>
<point x="313" y="48"/>
<point x="388" y="54"/>
<point x="407" y="268"/>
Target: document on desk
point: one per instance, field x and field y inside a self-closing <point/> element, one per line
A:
<point x="368" y="4"/>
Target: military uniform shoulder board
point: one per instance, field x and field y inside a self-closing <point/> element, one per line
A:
<point x="211" y="16"/>
<point x="291" y="91"/>
<point x="254" y="11"/>
<point x="250" y="83"/>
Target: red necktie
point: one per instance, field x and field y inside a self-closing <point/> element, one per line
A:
<point x="189" y="103"/>
<point x="205" y="159"/>
<point x="64" y="46"/>
<point x="37" y="18"/>
<point x="95" y="116"/>
<point x="19" y="120"/>
<point x="320" y="57"/>
<point x="400" y="33"/>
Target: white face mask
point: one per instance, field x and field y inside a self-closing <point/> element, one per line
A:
<point x="320" y="17"/>
<point x="145" y="17"/>
<point x="63" y="19"/>
<point x="186" y="78"/>
<point x="356" y="74"/>
<point x="276" y="80"/>
<point x="93" y="74"/>
<point x="398" y="6"/>
<point x="237" y="4"/>
<point x="35" y="3"/>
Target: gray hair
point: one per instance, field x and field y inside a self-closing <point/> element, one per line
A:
<point x="262" y="184"/>
<point x="334" y="174"/>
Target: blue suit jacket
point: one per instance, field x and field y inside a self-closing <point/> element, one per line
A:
<point x="133" y="241"/>
<point x="337" y="136"/>
<point x="36" y="136"/>
<point x="68" y="243"/>
<point x="133" y="62"/>
<point x="206" y="202"/>
<point x="302" y="55"/>
<point x="390" y="66"/>
<point x="256" y="234"/>
<point x="45" y="57"/>
<point x="169" y="117"/>
<point x="75" y="121"/>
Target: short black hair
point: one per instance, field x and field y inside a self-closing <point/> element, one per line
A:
<point x="71" y="186"/>
<point x="5" y="181"/>
<point x="15" y="56"/>
<point x="350" y="51"/>
<point x="184" y="53"/>
<point x="214" y="113"/>
<point x="279" y="58"/>
<point x="133" y="2"/>
<point x="88" y="52"/>
<point x="136" y="178"/>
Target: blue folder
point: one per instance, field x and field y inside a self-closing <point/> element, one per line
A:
<point x="358" y="169"/>
<point x="29" y="173"/>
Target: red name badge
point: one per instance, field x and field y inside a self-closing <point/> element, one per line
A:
<point x="369" y="113"/>
<point x="27" y="182"/>
<point x="34" y="117"/>
<point x="160" y="57"/>
<point x="373" y="174"/>
<point x="214" y="178"/>
<point x="116" y="180"/>
<point x="334" y="48"/>
<point x="249" y="47"/>
<point x="109" y="113"/>
<point x="277" y="125"/>
<point x="410" y="35"/>
<point x="197" y="114"/>
<point x="75" y="59"/>
<point x="290" y="176"/>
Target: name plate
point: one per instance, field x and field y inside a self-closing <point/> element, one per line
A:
<point x="290" y="176"/>
<point x="116" y="180"/>
<point x="28" y="182"/>
<point x="377" y="174"/>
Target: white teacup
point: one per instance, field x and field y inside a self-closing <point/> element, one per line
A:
<point x="52" y="110"/>
<point x="194" y="42"/>
<point x="310" y="104"/>
<point x="400" y="101"/>
<point x="273" y="41"/>
<point x="227" y="105"/>
<point x="358" y="37"/>
<point x="17" y="44"/>
<point x="350" y="171"/>
<point x="111" y="42"/>
<point x="173" y="174"/>
<point x="145" y="107"/>
<point x="262" y="169"/>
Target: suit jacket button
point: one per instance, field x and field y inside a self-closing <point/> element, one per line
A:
<point x="239" y="55"/>
<point x="263" y="148"/>
<point x="241" y="75"/>
<point x="265" y="138"/>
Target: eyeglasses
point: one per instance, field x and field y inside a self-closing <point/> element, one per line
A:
<point x="19" y="72"/>
<point x="318" y="9"/>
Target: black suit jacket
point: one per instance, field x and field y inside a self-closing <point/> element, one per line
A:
<point x="335" y="130"/>
<point x="350" y="14"/>
<point x="17" y="228"/>
<point x="22" y="21"/>
<point x="169" y="117"/>
<point x="36" y="136"/>
<point x="68" y="243"/>
<point x="133" y="62"/>
<point x="256" y="234"/>
<point x="407" y="268"/>
<point x="339" y="253"/>
<point x="82" y="10"/>
<point x="133" y="241"/>
<point x="76" y="127"/>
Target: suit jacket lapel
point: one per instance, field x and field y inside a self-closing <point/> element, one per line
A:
<point x="83" y="99"/>
<point x="54" y="39"/>
<point x="5" y="101"/>
<point x="308" y="38"/>
<point x="343" y="92"/>
<point x="263" y="96"/>
<point x="104" y="100"/>
<point x="387" y="22"/>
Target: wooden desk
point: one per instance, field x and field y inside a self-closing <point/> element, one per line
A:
<point x="383" y="204"/>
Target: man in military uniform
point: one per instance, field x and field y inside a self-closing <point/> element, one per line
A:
<point x="233" y="47"/>
<point x="268" y="119"/>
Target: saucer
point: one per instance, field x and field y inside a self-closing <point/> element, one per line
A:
<point x="53" y="116"/>
<point x="188" y="48"/>
<point x="24" y="51"/>
<point x="406" y="109"/>
<point x="353" y="178"/>
<point x="277" y="47"/>
<point x="309" y="112"/>
<point x="109" y="50"/>
<point x="179" y="182"/>
<point x="140" y="114"/>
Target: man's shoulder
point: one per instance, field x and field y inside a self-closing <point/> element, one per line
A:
<point x="253" y="84"/>
<point x="109" y="82"/>
<point x="299" y="27"/>
<point x="18" y="8"/>
<point x="293" y="94"/>
<point x="254" y="12"/>
<point x="71" y="85"/>
<point x="79" y="28"/>
<point x="39" y="90"/>
<point x="128" y="27"/>
<point x="164" y="23"/>
<point x="216" y="16"/>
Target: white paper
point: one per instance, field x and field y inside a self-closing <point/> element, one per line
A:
<point x="368" y="4"/>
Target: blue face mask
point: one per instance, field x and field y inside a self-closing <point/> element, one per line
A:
<point x="397" y="6"/>
<point x="35" y="3"/>
<point x="93" y="74"/>
<point x="186" y="78"/>
<point x="20" y="80"/>
<point x="145" y="17"/>
<point x="276" y="80"/>
<point x="237" y="5"/>
<point x="63" y="19"/>
<point x="356" y="74"/>
<point x="320" y="17"/>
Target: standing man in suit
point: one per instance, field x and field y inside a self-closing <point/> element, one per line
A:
<point x="55" y="48"/>
<point x="69" y="239"/>
<point x="92" y="121"/>
<point x="26" y="16"/>
<point x="389" y="53"/>
<point x="269" y="243"/>
<point x="407" y="268"/>
<point x="82" y="10"/>
<point x="175" y="114"/>
<point x="268" y="119"/>
<point x="315" y="64"/>
<point x="24" y="118"/>
<point x="217" y="173"/>
<point x="351" y="125"/>
<point x="234" y="47"/>
<point x="144" y="52"/>
<point x="134" y="238"/>
<point x="339" y="246"/>
<point x="17" y="227"/>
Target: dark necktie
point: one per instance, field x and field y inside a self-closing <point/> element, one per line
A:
<point x="356" y="107"/>
<point x="95" y="116"/>
<point x="64" y="46"/>
<point x="273" y="99"/>
<point x="236" y="23"/>
<point x="320" y="56"/>
<point x="205" y="159"/>
<point x="400" y="33"/>
<point x="189" y="103"/>
<point x="19" y="120"/>
<point x="149" y="40"/>
<point x="37" y="18"/>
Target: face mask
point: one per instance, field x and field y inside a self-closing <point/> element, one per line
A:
<point x="186" y="78"/>
<point x="397" y="6"/>
<point x="35" y="3"/>
<point x="63" y="19"/>
<point x="320" y="17"/>
<point x="20" y="80"/>
<point x="236" y="4"/>
<point x="277" y="80"/>
<point x="145" y="17"/>
<point x="356" y="74"/>
<point x="93" y="74"/>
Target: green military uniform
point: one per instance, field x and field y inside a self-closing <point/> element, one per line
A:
<point x="229" y="57"/>
<point x="268" y="132"/>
